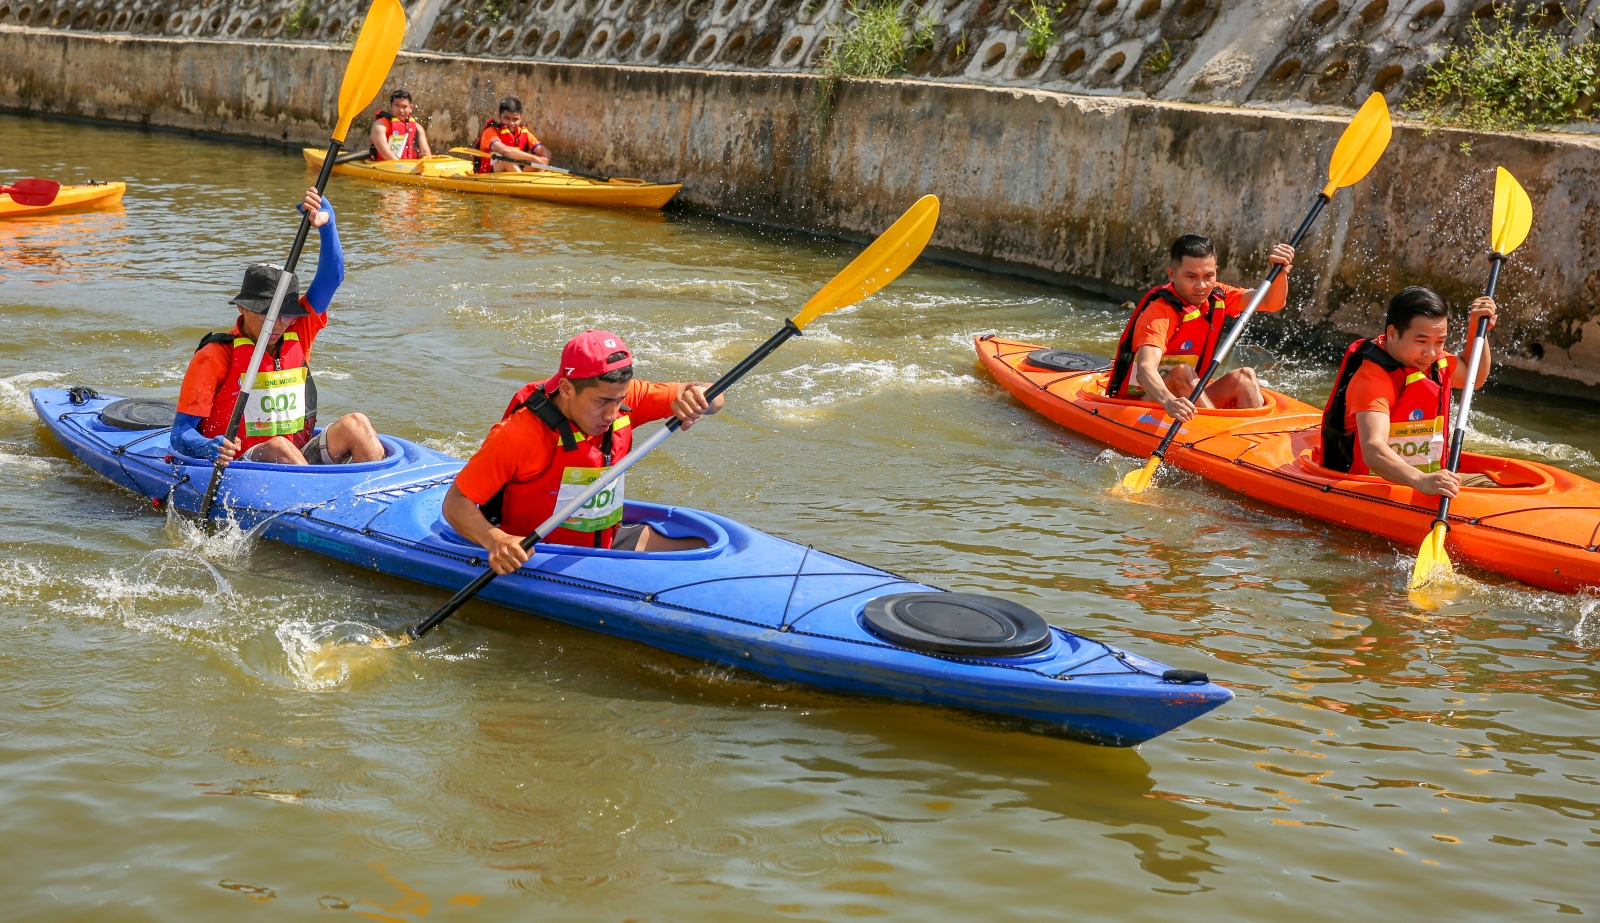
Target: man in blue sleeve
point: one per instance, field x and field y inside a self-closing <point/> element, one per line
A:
<point x="281" y="418"/>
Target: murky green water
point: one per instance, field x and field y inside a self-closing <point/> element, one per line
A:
<point x="168" y="752"/>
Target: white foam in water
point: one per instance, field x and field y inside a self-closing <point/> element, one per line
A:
<point x="14" y="393"/>
<point x="815" y="387"/>
<point x="225" y="541"/>
<point x="1491" y="435"/>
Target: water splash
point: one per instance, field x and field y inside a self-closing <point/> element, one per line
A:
<point x="813" y="388"/>
<point x="334" y="654"/>
<point x="14" y="400"/>
<point x="224" y="539"/>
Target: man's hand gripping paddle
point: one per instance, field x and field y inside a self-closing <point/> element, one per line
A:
<point x="1359" y="148"/>
<point x="877" y="266"/>
<point x="370" y="61"/>
<point x="1513" y="219"/>
<point x="33" y="192"/>
<point x="472" y="153"/>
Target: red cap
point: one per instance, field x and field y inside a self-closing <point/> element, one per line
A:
<point x="589" y="355"/>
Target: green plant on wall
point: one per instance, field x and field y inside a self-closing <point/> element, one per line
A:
<point x="301" y="20"/>
<point x="493" y="10"/>
<point x="1509" y="78"/>
<point x="1038" y="27"/>
<point x="1160" y="60"/>
<point x="877" y="43"/>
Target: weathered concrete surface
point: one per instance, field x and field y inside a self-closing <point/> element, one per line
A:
<point x="1081" y="189"/>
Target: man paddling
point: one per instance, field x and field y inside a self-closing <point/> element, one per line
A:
<point x="1175" y="329"/>
<point x="508" y="137"/>
<point x="280" y="420"/>
<point x="395" y="134"/>
<point x="558" y="436"/>
<point x="1390" y="405"/>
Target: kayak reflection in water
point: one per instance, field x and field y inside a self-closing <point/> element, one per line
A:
<point x="1390" y="406"/>
<point x="1175" y="329"/>
<point x="280" y="421"/>
<point x="507" y="136"/>
<point x="395" y="134"/>
<point x="556" y="438"/>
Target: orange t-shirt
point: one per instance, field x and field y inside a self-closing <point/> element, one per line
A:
<point x="1371" y="388"/>
<point x="491" y="134"/>
<point x="209" y="366"/>
<point x="520" y="448"/>
<point x="1159" y="319"/>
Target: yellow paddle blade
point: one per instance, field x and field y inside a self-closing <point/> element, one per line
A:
<point x="378" y="42"/>
<point x="1362" y="143"/>
<point x="879" y="264"/>
<point x="1432" y="560"/>
<point x="1138" y="480"/>
<point x="1513" y="213"/>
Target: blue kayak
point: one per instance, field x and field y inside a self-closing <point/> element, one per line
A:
<point x="748" y="599"/>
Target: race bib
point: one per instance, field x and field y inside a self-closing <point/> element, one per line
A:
<point x="603" y="510"/>
<point x="397" y="145"/>
<point x="1419" y="443"/>
<point x="277" y="404"/>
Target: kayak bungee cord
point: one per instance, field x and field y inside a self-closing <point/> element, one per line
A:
<point x="1359" y="148"/>
<point x="376" y="46"/>
<point x="881" y="263"/>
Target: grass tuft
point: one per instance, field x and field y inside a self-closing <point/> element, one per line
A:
<point x="1038" y="28"/>
<point x="877" y="43"/>
<point x="1509" y="78"/>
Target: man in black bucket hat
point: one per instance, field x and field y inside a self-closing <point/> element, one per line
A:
<point x="279" y="425"/>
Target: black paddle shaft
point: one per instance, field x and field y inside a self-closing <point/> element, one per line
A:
<point x="288" y="267"/>
<point x="727" y="381"/>
<point x="1459" y="436"/>
<point x="1272" y="276"/>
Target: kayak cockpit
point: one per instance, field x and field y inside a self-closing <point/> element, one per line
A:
<point x="1511" y="476"/>
<point x="669" y="521"/>
<point x="1093" y="392"/>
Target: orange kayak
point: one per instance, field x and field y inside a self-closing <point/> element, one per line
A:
<point x="97" y="195"/>
<point x="1540" y="526"/>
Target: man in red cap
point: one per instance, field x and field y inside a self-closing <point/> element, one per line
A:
<point x="556" y="438"/>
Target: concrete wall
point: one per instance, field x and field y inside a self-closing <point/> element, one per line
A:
<point x="1297" y="54"/>
<point x="1084" y="189"/>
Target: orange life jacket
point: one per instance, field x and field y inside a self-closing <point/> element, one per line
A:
<point x="285" y="400"/>
<point x="1192" y="343"/>
<point x="522" y="506"/>
<point x="402" y="134"/>
<point x="522" y="139"/>
<point x="1418" y="418"/>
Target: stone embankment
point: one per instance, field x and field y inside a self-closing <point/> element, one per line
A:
<point x="1074" y="187"/>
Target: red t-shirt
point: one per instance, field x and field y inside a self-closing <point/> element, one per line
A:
<point x="210" y="365"/>
<point x="520" y="448"/>
<point x="1160" y="319"/>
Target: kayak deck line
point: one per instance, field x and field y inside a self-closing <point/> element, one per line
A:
<point x="786" y="625"/>
<point x="1539" y="524"/>
<point x="747" y="600"/>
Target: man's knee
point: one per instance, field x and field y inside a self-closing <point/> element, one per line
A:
<point x="356" y="424"/>
<point x="278" y="451"/>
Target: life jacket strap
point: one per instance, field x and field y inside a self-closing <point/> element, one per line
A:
<point x="551" y="416"/>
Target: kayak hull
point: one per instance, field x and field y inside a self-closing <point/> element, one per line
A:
<point x="99" y="195"/>
<point x="548" y="186"/>
<point x="748" y="600"/>
<point x="1541" y="526"/>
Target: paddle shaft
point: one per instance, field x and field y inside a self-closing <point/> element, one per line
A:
<point x="1221" y="355"/>
<point x="534" y="164"/>
<point x="1459" y="435"/>
<point x="605" y="480"/>
<point x="248" y="385"/>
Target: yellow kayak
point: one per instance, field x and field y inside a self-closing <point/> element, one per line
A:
<point x="441" y="172"/>
<point x="90" y="196"/>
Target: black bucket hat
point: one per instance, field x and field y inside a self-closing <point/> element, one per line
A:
<point x="260" y="284"/>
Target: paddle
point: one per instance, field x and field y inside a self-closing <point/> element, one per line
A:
<point x="877" y="266"/>
<point x="352" y="157"/>
<point x="472" y="153"/>
<point x="370" y="60"/>
<point x="1359" y="148"/>
<point x="31" y="191"/>
<point x="1513" y="218"/>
